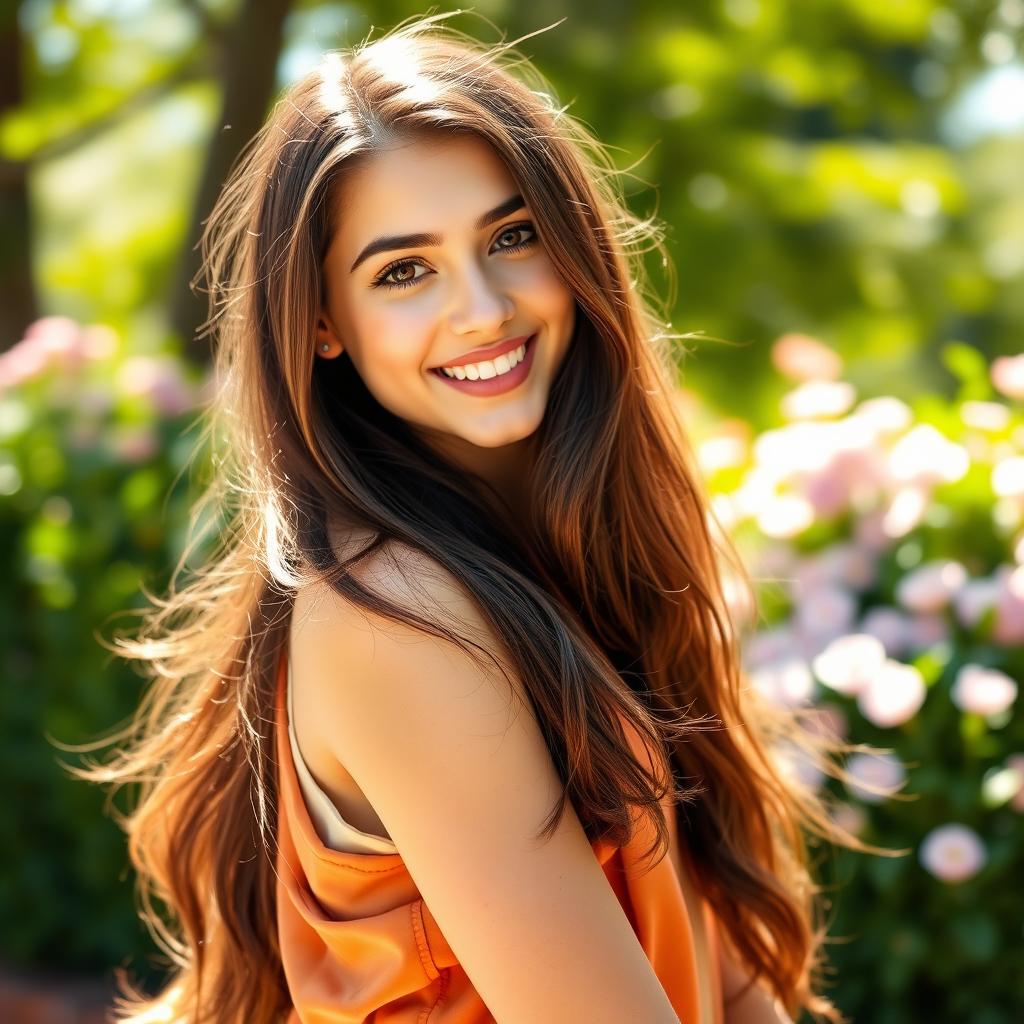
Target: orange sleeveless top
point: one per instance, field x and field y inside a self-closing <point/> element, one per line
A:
<point x="358" y="943"/>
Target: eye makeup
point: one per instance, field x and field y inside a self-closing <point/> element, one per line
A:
<point x="381" y="280"/>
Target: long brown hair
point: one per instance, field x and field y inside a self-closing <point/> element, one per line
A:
<point x="610" y="601"/>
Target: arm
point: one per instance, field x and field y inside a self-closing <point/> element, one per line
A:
<point x="756" y="1005"/>
<point x="457" y="770"/>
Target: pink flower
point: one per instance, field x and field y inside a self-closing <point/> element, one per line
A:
<point x="953" y="853"/>
<point x="891" y="627"/>
<point x="874" y="777"/>
<point x="845" y="564"/>
<point x="1007" y="375"/>
<point x="983" y="691"/>
<point x="849" y="664"/>
<point x="824" y="614"/>
<point x="53" y="341"/>
<point x="893" y="696"/>
<point x="974" y="599"/>
<point x="930" y="587"/>
<point x="58" y="338"/>
<point x="869" y="531"/>
<point x="847" y="474"/>
<point x="19" y="364"/>
<point x="801" y="357"/>
<point x="158" y="379"/>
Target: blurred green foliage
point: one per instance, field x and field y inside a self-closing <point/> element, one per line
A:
<point x="821" y="166"/>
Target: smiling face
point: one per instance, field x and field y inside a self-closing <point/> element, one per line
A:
<point x="403" y="308"/>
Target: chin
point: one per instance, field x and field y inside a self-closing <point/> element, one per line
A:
<point x="499" y="440"/>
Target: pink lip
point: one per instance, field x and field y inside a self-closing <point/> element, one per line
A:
<point x="496" y="385"/>
<point x="487" y="352"/>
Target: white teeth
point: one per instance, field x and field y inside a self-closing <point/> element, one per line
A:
<point x="489" y="368"/>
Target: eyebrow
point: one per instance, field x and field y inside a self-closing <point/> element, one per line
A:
<point x="389" y="242"/>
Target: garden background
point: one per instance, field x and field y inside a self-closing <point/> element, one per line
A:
<point x="841" y="185"/>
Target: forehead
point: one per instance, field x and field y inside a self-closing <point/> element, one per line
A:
<point x="434" y="184"/>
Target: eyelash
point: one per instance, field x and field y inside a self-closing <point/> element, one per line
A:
<point x="379" y="281"/>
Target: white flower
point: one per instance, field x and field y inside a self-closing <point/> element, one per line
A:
<point x="1007" y="373"/>
<point x="988" y="416"/>
<point x="983" y="691"/>
<point x="893" y="696"/>
<point x="953" y="853"/>
<point x="926" y="456"/>
<point x="818" y="398"/>
<point x="930" y="587"/>
<point x="884" y="415"/>
<point x="849" y="664"/>
<point x="1008" y="477"/>
<point x="784" y="516"/>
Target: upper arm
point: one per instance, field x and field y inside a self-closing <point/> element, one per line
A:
<point x="746" y="1003"/>
<point x="457" y="770"/>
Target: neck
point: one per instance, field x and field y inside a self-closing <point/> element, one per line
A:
<point x="505" y="470"/>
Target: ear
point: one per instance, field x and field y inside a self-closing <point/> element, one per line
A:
<point x="327" y="335"/>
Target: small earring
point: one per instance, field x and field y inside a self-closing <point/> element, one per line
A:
<point x="325" y="347"/>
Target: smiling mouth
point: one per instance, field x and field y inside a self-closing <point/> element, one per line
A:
<point x="499" y="380"/>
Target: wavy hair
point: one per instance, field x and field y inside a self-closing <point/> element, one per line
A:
<point x="611" y="600"/>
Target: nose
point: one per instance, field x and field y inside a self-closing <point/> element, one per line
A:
<point x="481" y="305"/>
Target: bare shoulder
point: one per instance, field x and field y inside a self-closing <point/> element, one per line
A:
<point x="401" y="574"/>
<point x="456" y="767"/>
<point x="362" y="666"/>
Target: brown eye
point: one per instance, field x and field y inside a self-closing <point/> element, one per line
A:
<point x="517" y="229"/>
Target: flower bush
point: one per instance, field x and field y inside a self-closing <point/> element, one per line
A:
<point x="886" y="541"/>
<point x="91" y="442"/>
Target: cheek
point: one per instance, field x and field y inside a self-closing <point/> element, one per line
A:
<point x="394" y="339"/>
<point x="543" y="292"/>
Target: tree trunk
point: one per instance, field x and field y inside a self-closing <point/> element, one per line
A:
<point x="19" y="304"/>
<point x="250" y="54"/>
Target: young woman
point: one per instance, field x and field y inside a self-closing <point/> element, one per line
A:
<point x="452" y="727"/>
